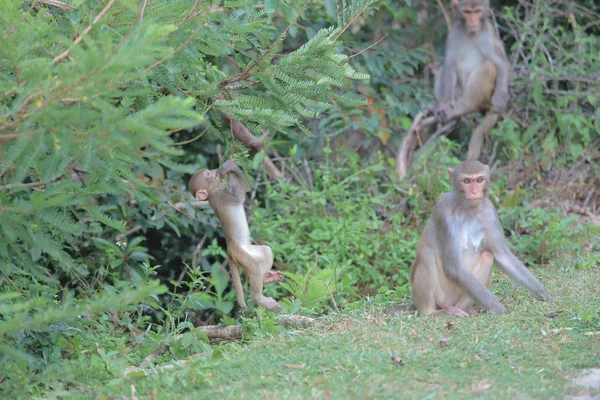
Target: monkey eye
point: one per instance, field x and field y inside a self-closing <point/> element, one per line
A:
<point x="479" y="180"/>
<point x="466" y="181"/>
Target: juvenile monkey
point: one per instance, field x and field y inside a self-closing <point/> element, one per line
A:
<point x="457" y="249"/>
<point x="227" y="199"/>
<point x="474" y="77"/>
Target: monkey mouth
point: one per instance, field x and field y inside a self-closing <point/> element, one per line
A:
<point x="473" y="201"/>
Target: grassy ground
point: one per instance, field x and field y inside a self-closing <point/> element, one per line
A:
<point x="371" y="353"/>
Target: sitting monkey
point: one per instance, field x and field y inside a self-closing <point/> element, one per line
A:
<point x="457" y="249"/>
<point x="227" y="199"/>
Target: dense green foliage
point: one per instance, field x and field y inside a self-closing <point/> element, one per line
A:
<point x="108" y="107"/>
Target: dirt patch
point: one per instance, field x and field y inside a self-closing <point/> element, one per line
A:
<point x="588" y="380"/>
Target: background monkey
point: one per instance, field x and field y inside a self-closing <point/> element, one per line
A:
<point x="476" y="71"/>
<point x="227" y="198"/>
<point x="474" y="77"/>
<point x="457" y="249"/>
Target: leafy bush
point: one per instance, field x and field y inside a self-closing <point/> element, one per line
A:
<point x="541" y="235"/>
<point x="345" y="214"/>
<point x="554" y="95"/>
<point x="93" y="101"/>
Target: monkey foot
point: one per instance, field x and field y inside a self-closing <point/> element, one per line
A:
<point x="457" y="312"/>
<point x="272" y="276"/>
<point x="269" y="303"/>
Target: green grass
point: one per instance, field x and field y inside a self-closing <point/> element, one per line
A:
<point x="519" y="355"/>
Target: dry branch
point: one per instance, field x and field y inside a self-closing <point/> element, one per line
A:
<point x="413" y="136"/>
<point x="231" y="332"/>
<point x="244" y="135"/>
<point x="11" y="186"/>
<point x="54" y="3"/>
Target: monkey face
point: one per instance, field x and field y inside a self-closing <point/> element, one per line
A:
<point x="211" y="179"/>
<point x="473" y="187"/>
<point x="472" y="13"/>
<point x="473" y="20"/>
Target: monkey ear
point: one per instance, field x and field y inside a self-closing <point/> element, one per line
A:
<point x="201" y="195"/>
<point x="450" y="173"/>
<point x="486" y="168"/>
<point x="454" y="4"/>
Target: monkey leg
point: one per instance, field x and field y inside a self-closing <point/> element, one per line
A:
<point x="237" y="283"/>
<point x="477" y="93"/>
<point x="435" y="294"/>
<point x="482" y="270"/>
<point x="476" y="142"/>
<point x="256" y="288"/>
<point x="257" y="261"/>
<point x="425" y="282"/>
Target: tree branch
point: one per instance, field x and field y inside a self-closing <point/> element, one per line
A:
<point x="85" y="32"/>
<point x="54" y="3"/>
<point x="28" y="185"/>
<point x="244" y="135"/>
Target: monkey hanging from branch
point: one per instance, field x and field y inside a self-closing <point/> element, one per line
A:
<point x="460" y="242"/>
<point x="474" y="77"/>
<point x="225" y="191"/>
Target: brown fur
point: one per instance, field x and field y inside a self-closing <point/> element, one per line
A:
<point x="475" y="74"/>
<point x="460" y="242"/>
<point x="227" y="199"/>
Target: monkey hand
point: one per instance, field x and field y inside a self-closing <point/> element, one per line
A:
<point x="229" y="166"/>
<point x="498" y="308"/>
<point x="431" y="109"/>
<point x="441" y="112"/>
<point x="547" y="297"/>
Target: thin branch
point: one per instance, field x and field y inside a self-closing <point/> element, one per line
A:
<point x="195" y="256"/>
<point x="85" y="32"/>
<point x="445" y="12"/>
<point x="142" y="10"/>
<point x="13" y="284"/>
<point x="332" y="299"/>
<point x="55" y="3"/>
<point x="28" y="185"/>
<point x="354" y="19"/>
<point x="245" y="74"/>
<point x="367" y="48"/>
<point x="129" y="232"/>
<point x="177" y="50"/>
<point x="8" y="136"/>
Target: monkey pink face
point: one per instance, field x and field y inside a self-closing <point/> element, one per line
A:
<point x="472" y="18"/>
<point x="473" y="186"/>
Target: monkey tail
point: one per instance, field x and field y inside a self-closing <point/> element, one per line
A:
<point x="476" y="142"/>
<point x="407" y="147"/>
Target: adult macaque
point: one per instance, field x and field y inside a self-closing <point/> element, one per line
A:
<point x="476" y="71"/>
<point x="474" y="77"/>
<point x="227" y="199"/>
<point x="457" y="249"/>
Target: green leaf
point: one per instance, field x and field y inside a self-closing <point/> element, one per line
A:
<point x="537" y="92"/>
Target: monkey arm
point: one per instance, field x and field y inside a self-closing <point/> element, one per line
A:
<point x="510" y="264"/>
<point x="449" y="241"/>
<point x="449" y="79"/>
<point x="238" y="184"/>
<point x="449" y="76"/>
